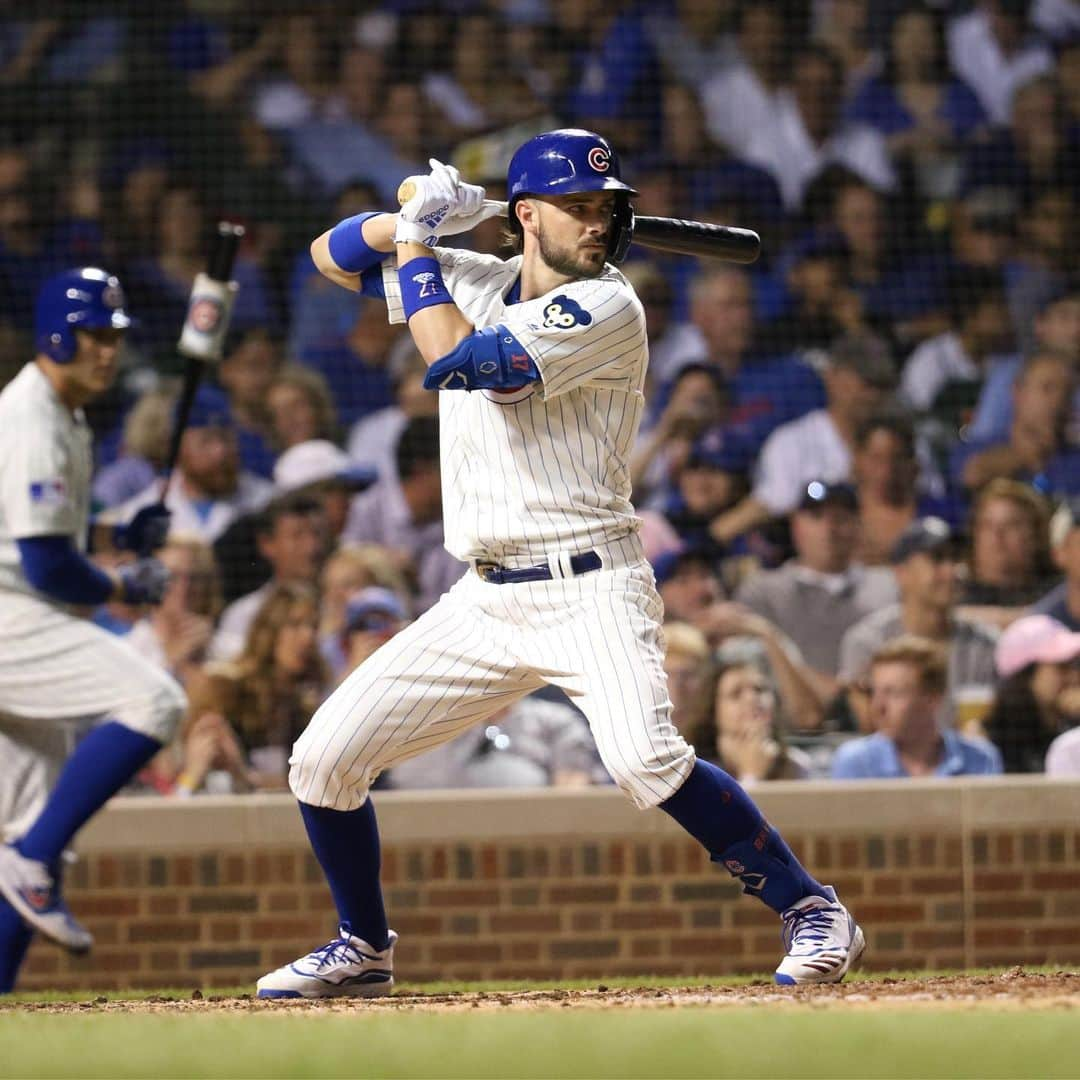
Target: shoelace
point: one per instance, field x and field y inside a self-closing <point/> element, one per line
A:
<point x="338" y="949"/>
<point x="808" y="927"/>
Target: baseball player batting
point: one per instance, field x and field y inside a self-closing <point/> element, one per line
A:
<point x="540" y="362"/>
<point x="63" y="681"/>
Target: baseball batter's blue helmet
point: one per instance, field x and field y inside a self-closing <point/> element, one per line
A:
<point x="86" y="298"/>
<point x="568" y="160"/>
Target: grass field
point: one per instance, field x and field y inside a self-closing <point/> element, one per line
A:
<point x="742" y="1032"/>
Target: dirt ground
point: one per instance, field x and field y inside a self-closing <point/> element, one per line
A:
<point x="1017" y="988"/>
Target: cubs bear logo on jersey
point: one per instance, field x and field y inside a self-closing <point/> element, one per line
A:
<point x="563" y="313"/>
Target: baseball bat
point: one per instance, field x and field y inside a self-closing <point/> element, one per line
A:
<point x="677" y="235"/>
<point x="207" y="322"/>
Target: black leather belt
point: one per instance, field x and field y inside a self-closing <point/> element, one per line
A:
<point x="495" y="574"/>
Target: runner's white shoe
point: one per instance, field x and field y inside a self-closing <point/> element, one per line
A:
<point x="347" y="967"/>
<point x="822" y="940"/>
<point x="30" y="888"/>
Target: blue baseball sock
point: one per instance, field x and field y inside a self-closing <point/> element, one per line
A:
<point x="713" y="808"/>
<point x="15" y="938"/>
<point x="346" y="843"/>
<point x="103" y="762"/>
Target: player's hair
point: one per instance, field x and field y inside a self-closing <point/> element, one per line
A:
<point x="928" y="657"/>
<point x="417" y="446"/>
<point x="316" y="389"/>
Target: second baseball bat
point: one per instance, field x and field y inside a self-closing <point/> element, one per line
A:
<point x="701" y="238"/>
<point x="204" y="331"/>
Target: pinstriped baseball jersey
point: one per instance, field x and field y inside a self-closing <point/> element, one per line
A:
<point x="58" y="673"/>
<point x="529" y="478"/>
<point x="45" y="466"/>
<point x="545" y="468"/>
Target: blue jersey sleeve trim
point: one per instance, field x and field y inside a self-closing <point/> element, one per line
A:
<point x="53" y="566"/>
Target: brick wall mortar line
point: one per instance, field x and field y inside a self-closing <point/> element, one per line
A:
<point x="967" y="869"/>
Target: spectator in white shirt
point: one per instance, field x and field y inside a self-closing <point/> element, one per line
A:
<point x="859" y="372"/>
<point x="805" y="132"/>
<point x="291" y="537"/>
<point x="209" y="489"/>
<point x="741" y="97"/>
<point x="980" y="331"/>
<point x="994" y="50"/>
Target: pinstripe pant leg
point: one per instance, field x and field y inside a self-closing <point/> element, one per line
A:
<point x="620" y="683"/>
<point x="440" y="675"/>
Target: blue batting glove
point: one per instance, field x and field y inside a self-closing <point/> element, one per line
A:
<point x="146" y="531"/>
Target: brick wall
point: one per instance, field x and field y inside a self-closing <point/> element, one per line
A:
<point x="547" y="885"/>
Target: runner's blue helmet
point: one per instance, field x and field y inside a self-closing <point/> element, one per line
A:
<point x="87" y="298"/>
<point x="570" y="160"/>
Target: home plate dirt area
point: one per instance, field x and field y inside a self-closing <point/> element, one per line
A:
<point x="1011" y="989"/>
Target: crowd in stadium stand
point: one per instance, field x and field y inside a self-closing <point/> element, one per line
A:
<point x="859" y="472"/>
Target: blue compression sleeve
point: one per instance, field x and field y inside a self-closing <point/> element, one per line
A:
<point x="53" y="566"/>
<point x="350" y="250"/>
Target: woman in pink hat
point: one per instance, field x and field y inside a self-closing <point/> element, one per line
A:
<point x="1038" y="660"/>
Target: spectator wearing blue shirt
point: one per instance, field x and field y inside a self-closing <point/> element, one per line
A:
<point x="923" y="110"/>
<point x="907" y="684"/>
<point x="1037" y="449"/>
<point x="1056" y="327"/>
<point x="766" y="390"/>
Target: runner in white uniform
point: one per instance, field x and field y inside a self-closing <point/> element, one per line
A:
<point x="62" y="679"/>
<point x="536" y="494"/>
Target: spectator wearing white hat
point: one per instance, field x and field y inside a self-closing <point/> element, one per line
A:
<point x="1063" y="601"/>
<point x="1038" y="660"/>
<point x="326" y="473"/>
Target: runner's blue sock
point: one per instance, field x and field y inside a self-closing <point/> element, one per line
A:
<point x="15" y="938"/>
<point x="103" y="762"/>
<point x="346" y="843"/>
<point x="714" y="809"/>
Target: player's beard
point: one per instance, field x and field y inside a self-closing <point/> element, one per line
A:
<point x="571" y="262"/>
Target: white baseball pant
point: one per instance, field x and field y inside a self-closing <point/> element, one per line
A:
<point x="59" y="676"/>
<point x="482" y="646"/>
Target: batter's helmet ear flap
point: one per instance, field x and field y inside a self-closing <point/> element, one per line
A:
<point x="622" y="229"/>
<point x="87" y="298"/>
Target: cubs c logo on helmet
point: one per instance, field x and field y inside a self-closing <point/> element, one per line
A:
<point x="599" y="159"/>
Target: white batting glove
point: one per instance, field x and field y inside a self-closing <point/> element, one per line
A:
<point x="441" y="206"/>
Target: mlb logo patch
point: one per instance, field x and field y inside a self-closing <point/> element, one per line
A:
<point x="48" y="492"/>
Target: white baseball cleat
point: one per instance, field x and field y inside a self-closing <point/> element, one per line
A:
<point x="347" y="967"/>
<point x="30" y="888"/>
<point x="822" y="941"/>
